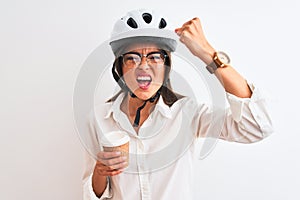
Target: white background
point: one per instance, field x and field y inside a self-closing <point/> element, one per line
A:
<point x="43" y="45"/>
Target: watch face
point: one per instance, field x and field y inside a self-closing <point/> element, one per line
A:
<point x="223" y="57"/>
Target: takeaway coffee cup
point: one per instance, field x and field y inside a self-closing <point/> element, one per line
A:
<point x="116" y="141"/>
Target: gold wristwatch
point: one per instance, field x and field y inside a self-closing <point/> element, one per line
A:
<point x="220" y="59"/>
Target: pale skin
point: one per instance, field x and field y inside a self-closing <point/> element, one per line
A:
<point x="191" y="34"/>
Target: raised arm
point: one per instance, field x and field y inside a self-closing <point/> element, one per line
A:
<point x="191" y="34"/>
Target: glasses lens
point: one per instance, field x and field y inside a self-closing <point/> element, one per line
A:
<point x="156" y="59"/>
<point x="134" y="59"/>
<point x="131" y="60"/>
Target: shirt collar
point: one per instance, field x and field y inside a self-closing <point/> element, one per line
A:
<point x="161" y="107"/>
<point x="115" y="108"/>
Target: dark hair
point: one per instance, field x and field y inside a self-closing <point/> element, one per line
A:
<point x="166" y="91"/>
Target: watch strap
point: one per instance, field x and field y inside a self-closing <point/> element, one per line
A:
<point x="215" y="64"/>
<point x="212" y="67"/>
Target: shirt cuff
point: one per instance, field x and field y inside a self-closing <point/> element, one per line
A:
<point x="237" y="103"/>
<point x="89" y="193"/>
<point x="255" y="104"/>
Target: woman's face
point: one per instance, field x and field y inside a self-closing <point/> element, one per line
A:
<point x="143" y="70"/>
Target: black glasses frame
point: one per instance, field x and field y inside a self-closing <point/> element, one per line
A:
<point x="144" y="55"/>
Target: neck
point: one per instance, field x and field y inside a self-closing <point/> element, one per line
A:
<point x="130" y="105"/>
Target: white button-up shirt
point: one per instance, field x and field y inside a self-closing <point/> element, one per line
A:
<point x="162" y="153"/>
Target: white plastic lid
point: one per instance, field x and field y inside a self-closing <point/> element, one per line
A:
<point x="114" y="138"/>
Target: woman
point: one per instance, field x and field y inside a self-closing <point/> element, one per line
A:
<point x="142" y="45"/>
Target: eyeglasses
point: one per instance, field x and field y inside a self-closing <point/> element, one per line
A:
<point x="133" y="59"/>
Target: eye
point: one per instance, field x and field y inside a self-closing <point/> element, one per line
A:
<point x="131" y="59"/>
<point x="155" y="58"/>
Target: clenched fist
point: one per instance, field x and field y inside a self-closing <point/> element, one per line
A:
<point x="192" y="36"/>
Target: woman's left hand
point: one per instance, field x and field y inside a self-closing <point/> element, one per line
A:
<point x="191" y="34"/>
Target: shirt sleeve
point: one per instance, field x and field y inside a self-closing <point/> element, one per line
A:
<point x="246" y="120"/>
<point x="89" y="194"/>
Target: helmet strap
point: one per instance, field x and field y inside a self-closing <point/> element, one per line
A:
<point x="132" y="94"/>
<point x="138" y="111"/>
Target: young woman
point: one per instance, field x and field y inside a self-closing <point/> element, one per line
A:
<point x="161" y="124"/>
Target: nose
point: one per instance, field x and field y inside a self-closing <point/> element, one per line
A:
<point x="144" y="63"/>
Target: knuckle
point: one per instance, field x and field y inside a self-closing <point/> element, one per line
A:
<point x="109" y="162"/>
<point x="181" y="39"/>
<point x="183" y="34"/>
<point x="119" y="166"/>
<point x="105" y="155"/>
<point x="101" y="155"/>
<point x="121" y="159"/>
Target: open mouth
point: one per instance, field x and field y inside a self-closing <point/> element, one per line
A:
<point x="144" y="81"/>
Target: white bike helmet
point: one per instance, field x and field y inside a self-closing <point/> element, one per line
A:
<point x="142" y="26"/>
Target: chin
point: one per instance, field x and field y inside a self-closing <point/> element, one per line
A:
<point x="144" y="95"/>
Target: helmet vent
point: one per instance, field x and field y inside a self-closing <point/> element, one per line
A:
<point x="132" y="23"/>
<point x="147" y="17"/>
<point x="162" y="23"/>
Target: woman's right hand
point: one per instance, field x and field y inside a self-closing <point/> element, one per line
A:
<point x="110" y="163"/>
